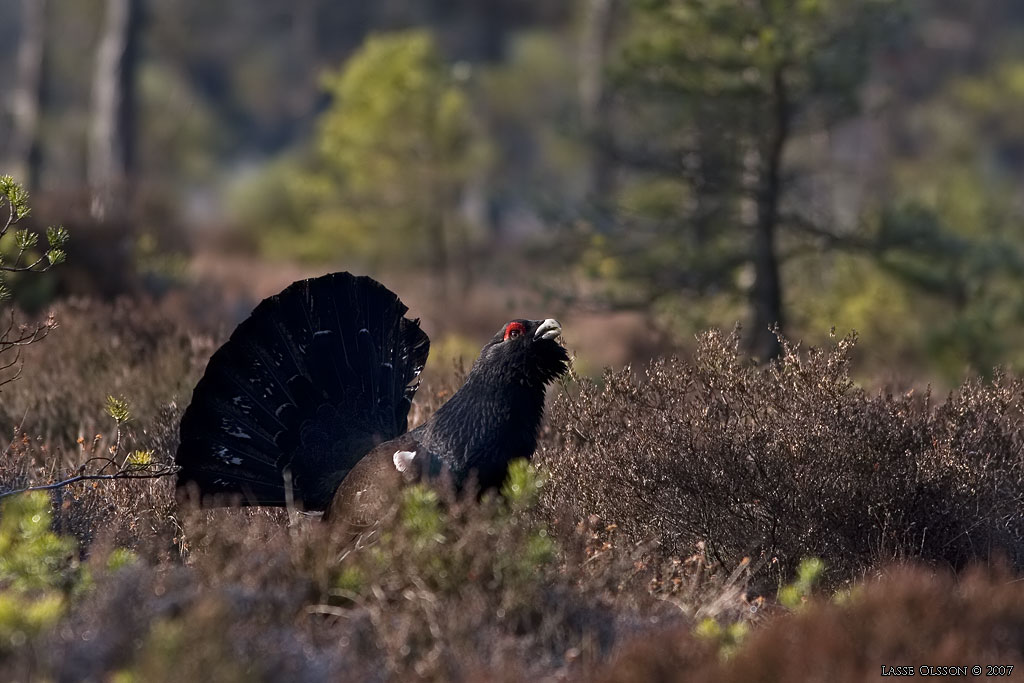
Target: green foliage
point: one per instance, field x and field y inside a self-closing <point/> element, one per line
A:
<point x="57" y="237"/>
<point x="18" y="255"/>
<point x="421" y="516"/>
<point x="389" y="163"/>
<point x="25" y="240"/>
<point x="397" y="105"/>
<point x="15" y="196"/>
<point x="120" y="558"/>
<point x="31" y="556"/>
<point x="491" y="557"/>
<point x="37" y="569"/>
<point x="938" y="257"/>
<point x="40" y="576"/>
<point x="438" y="542"/>
<point x="713" y="94"/>
<point x="950" y="230"/>
<point x="727" y="639"/>
<point x="119" y="409"/>
<point x="22" y="617"/>
<point x="140" y="458"/>
<point x="522" y="487"/>
<point x="732" y="49"/>
<point x="192" y="646"/>
<point x="808" y="574"/>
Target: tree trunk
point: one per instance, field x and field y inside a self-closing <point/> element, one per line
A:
<point x="766" y="297"/>
<point x="28" y="93"/>
<point x="111" y="131"/>
<point x="595" y="41"/>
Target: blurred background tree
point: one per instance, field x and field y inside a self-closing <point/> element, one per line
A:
<point x="714" y="94"/>
<point x="666" y="164"/>
<point x="390" y="165"/>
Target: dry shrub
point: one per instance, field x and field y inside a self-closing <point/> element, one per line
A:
<point x="445" y="589"/>
<point x="714" y="460"/>
<point x="132" y="348"/>
<point x="136" y="514"/>
<point x="142" y="350"/>
<point x="912" y="617"/>
<point x="791" y="461"/>
<point x="671" y="655"/>
<point x="453" y="587"/>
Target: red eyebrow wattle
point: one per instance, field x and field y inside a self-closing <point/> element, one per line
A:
<point x="514" y="327"/>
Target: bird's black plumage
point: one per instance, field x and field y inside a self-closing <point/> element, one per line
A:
<point x="496" y="415"/>
<point x="311" y="393"/>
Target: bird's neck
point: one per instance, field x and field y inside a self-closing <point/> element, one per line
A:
<point x="484" y="425"/>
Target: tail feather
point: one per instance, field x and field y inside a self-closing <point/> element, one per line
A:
<point x="307" y="385"/>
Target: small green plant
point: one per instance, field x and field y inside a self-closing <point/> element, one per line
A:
<point x="38" y="569"/>
<point x="795" y="594"/>
<point x="22" y="257"/>
<point x="119" y="409"/>
<point x="523" y="486"/>
<point x="421" y="515"/>
<point x="140" y="459"/>
<point x="479" y="558"/>
<point x="120" y="558"/>
<point x="25" y="257"/>
<point x="32" y="557"/>
<point x="727" y="638"/>
<point x="99" y="465"/>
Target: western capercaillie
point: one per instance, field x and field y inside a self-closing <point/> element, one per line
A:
<point x="309" y="397"/>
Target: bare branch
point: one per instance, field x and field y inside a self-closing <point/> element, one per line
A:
<point x="132" y="472"/>
<point x="33" y="267"/>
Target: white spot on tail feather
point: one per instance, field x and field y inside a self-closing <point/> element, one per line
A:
<point x="234" y="430"/>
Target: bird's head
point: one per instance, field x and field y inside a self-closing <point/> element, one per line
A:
<point x="525" y="352"/>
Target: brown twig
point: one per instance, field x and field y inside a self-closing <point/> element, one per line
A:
<point x="134" y="472"/>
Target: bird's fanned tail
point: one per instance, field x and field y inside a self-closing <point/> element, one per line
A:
<point x="306" y="386"/>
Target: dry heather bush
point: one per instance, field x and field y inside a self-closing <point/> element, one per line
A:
<point x="139" y="349"/>
<point x="913" y="617"/>
<point x="445" y="589"/>
<point x="131" y="348"/>
<point x="136" y="514"/>
<point x="784" y="462"/>
<point x="791" y="461"/>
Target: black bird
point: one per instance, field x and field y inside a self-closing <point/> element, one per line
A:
<point x="309" y="399"/>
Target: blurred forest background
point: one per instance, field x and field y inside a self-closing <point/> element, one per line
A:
<point x="643" y="169"/>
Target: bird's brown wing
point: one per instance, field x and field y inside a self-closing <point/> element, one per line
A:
<point x="371" y="487"/>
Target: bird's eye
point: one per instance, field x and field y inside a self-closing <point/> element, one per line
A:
<point x="514" y="330"/>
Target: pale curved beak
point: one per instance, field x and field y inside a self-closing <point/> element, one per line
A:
<point x="549" y="329"/>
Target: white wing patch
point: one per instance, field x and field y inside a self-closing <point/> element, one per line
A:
<point x="403" y="460"/>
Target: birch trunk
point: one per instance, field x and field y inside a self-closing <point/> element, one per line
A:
<point x="112" y="124"/>
<point x="26" y="101"/>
